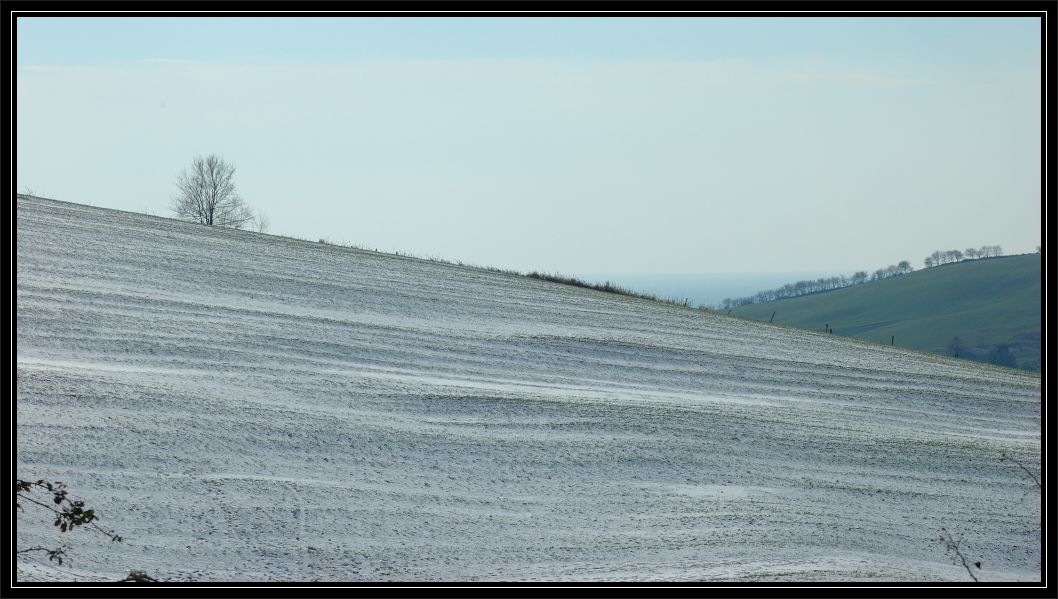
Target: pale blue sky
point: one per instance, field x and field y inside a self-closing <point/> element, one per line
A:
<point x="579" y="145"/>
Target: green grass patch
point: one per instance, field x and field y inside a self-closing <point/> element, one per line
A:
<point x="983" y="302"/>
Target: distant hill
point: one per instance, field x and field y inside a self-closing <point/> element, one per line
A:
<point x="987" y="304"/>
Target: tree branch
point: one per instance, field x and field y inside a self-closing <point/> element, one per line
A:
<point x="951" y="545"/>
<point x="71" y="516"/>
<point x="1006" y="458"/>
<point x="53" y="554"/>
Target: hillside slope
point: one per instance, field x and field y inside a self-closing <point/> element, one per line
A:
<point x="983" y="302"/>
<point x="247" y="407"/>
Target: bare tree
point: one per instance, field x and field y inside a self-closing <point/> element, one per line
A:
<point x="207" y="194"/>
<point x="260" y="222"/>
<point x="990" y="251"/>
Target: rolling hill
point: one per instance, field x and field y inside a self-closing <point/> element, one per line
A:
<point x="248" y="407"/>
<point x="982" y="302"/>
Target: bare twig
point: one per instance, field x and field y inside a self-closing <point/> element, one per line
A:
<point x="951" y="545"/>
<point x="53" y="554"/>
<point x="1006" y="458"/>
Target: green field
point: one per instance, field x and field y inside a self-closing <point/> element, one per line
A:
<point x="983" y="302"/>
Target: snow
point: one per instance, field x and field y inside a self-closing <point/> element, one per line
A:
<point x="249" y="407"/>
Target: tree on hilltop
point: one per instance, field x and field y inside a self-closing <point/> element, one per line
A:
<point x="207" y="194"/>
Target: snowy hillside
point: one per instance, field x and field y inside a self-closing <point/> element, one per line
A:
<point x="247" y="407"/>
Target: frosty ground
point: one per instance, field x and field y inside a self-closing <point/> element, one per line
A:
<point x="248" y="407"/>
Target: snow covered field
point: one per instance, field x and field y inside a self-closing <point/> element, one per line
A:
<point x="247" y="407"/>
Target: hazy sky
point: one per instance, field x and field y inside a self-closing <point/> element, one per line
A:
<point x="660" y="145"/>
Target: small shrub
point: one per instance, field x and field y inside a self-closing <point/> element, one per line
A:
<point x="607" y="287"/>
